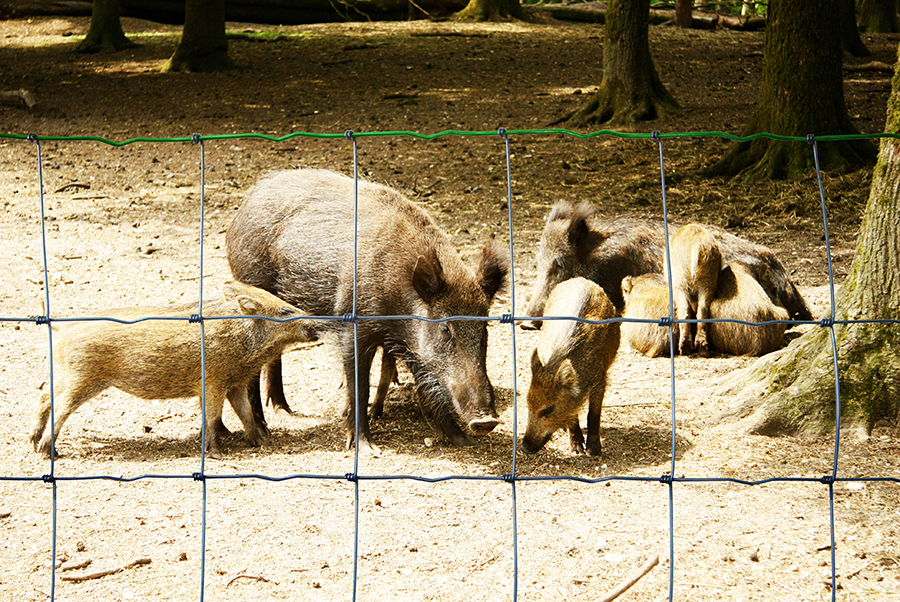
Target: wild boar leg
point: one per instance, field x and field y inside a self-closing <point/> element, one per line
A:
<point x="357" y="395"/>
<point x="237" y="396"/>
<point x="595" y="405"/>
<point x="275" y="381"/>
<point x="576" y="437"/>
<point x="388" y="375"/>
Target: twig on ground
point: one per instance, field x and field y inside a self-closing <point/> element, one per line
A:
<point x="74" y="567"/>
<point x="254" y="577"/>
<point x="99" y="574"/>
<point x="630" y="580"/>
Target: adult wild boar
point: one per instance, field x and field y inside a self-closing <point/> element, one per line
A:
<point x="569" y="366"/>
<point x="294" y="236"/>
<point x="160" y="359"/>
<point x="575" y="243"/>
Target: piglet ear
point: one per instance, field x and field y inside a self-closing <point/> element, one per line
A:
<point x="536" y="365"/>
<point x="493" y="269"/>
<point x="428" y="277"/>
<point x="567" y="379"/>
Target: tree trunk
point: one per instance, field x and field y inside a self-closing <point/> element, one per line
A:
<point x="631" y="90"/>
<point x="878" y="16"/>
<point x="801" y="93"/>
<point x="203" y="45"/>
<point x="105" y="33"/>
<point x="683" y="13"/>
<point x="792" y="390"/>
<point x="850" y="40"/>
<point x="492" y="10"/>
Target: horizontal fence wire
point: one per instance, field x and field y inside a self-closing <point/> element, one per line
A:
<point x="669" y="479"/>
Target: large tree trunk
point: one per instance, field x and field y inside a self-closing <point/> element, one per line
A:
<point x="793" y="390"/>
<point x="801" y="93"/>
<point x="105" y="33"/>
<point x="878" y="16"/>
<point x="203" y="45"/>
<point x="631" y="90"/>
<point x="850" y="40"/>
<point x="491" y="10"/>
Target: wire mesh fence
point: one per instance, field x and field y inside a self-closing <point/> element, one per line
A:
<point x="505" y="488"/>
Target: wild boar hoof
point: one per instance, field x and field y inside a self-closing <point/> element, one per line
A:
<point x="530" y="325"/>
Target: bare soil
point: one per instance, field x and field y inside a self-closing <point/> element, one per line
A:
<point x="123" y="226"/>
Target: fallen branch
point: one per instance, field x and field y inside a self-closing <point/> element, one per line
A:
<point x="74" y="567"/>
<point x="871" y="66"/>
<point x="254" y="577"/>
<point x="99" y="574"/>
<point x="630" y="580"/>
<point x="18" y="97"/>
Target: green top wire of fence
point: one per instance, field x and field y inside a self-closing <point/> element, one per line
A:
<point x="511" y="132"/>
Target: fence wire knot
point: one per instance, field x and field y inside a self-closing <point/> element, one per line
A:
<point x="348" y="318"/>
<point x="32" y="137"/>
<point x="506" y="319"/>
<point x="666" y="479"/>
<point x="42" y="320"/>
<point x="501" y="132"/>
<point x="195" y="318"/>
<point x="48" y="478"/>
<point x="508" y="478"/>
<point x="198" y="476"/>
<point x="348" y="134"/>
<point x="654" y="135"/>
<point x="810" y="138"/>
<point x="665" y="321"/>
<point x="827" y="480"/>
<point x="195" y="138"/>
<point x="351" y="476"/>
<point x="826" y="322"/>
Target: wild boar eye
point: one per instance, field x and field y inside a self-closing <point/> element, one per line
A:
<point x="446" y="332"/>
<point x="284" y="312"/>
<point x="546" y="411"/>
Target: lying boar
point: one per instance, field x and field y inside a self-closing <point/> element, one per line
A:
<point x="739" y="296"/>
<point x="574" y="243"/>
<point x="696" y="261"/>
<point x="160" y="359"/>
<point x="569" y="366"/>
<point x="294" y="236"/>
<point x="647" y="298"/>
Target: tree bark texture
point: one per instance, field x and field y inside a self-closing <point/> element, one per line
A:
<point x="801" y="93"/>
<point x="878" y="16"/>
<point x="683" y="13"/>
<point x="630" y="90"/>
<point x="203" y="45"/>
<point x="105" y="33"/>
<point x="792" y="390"/>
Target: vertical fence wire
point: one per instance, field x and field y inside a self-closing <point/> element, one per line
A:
<point x="51" y="477"/>
<point x="832" y="337"/>
<point x="511" y="478"/>
<point x="502" y="132"/>
<point x="669" y="480"/>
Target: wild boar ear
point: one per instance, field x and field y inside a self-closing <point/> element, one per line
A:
<point x="566" y="378"/>
<point x="250" y="306"/>
<point x="627" y="285"/>
<point x="493" y="269"/>
<point x="428" y="277"/>
<point x="561" y="210"/>
<point x="578" y="231"/>
<point x="230" y="290"/>
<point x="536" y="365"/>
